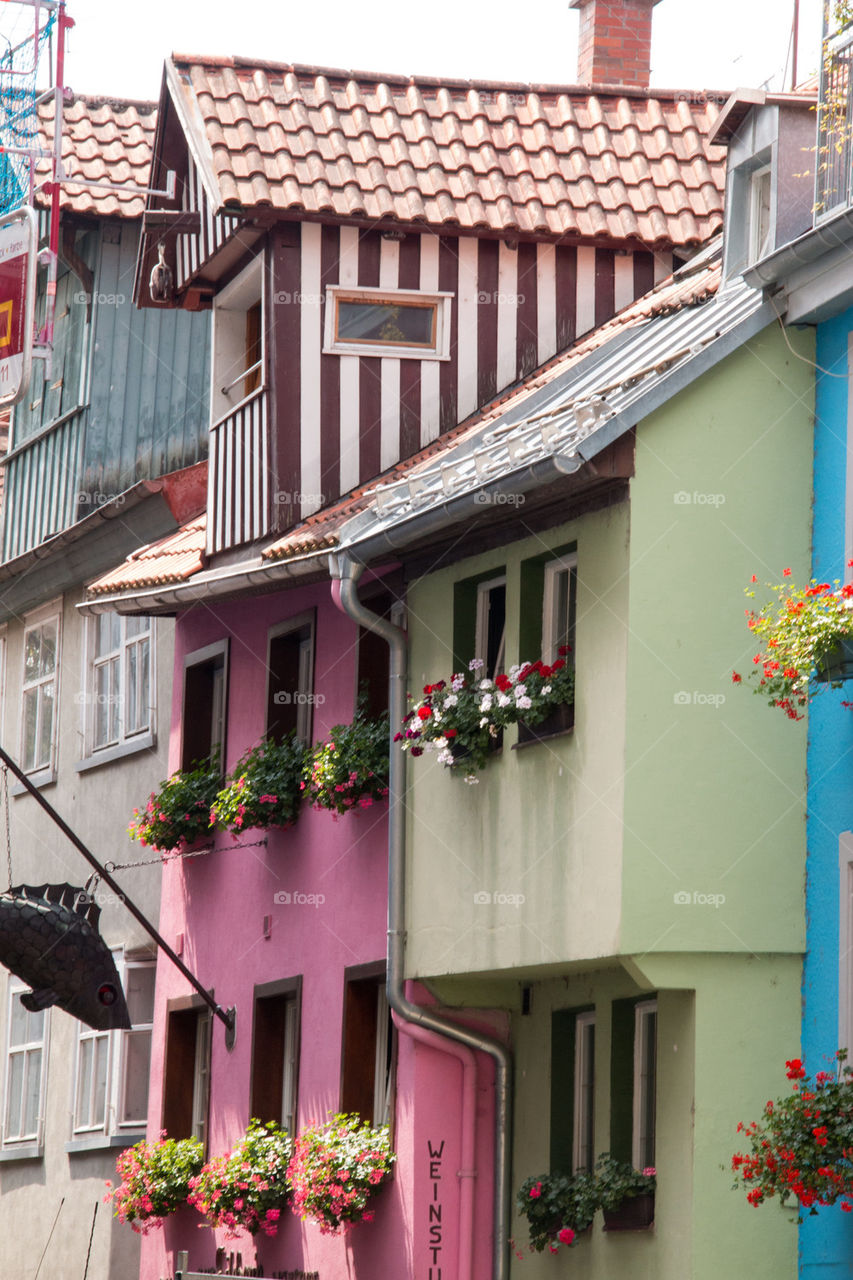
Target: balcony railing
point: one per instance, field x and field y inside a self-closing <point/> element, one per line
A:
<point x="238" y="484"/>
<point x="42" y="482"/>
<point x="834" y="163"/>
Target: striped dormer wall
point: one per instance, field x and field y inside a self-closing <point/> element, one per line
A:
<point x="334" y="422"/>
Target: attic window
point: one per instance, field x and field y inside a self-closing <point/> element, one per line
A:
<point x="759" y="213"/>
<point x="388" y="322"/>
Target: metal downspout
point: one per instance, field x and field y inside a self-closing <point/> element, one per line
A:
<point x="345" y="594"/>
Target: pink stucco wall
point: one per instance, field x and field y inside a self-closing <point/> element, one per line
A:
<point x="217" y="904"/>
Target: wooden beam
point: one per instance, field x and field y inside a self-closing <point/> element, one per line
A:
<point x="181" y="222"/>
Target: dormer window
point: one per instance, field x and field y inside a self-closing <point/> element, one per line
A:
<point x="759" y="213"/>
<point x="387" y="322"/>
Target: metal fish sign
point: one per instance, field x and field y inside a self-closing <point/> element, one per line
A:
<point x="49" y="939"/>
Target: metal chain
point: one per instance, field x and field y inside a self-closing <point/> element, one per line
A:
<point x="8" y="834"/>
<point x="173" y="857"/>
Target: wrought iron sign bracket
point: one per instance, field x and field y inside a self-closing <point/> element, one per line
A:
<point x="228" y="1017"/>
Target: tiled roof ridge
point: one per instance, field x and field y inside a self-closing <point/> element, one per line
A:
<point x="116" y="101"/>
<point x="239" y="63"/>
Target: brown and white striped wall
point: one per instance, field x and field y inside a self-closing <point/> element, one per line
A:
<point x="336" y="421"/>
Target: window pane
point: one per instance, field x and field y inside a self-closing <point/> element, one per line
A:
<point x="47" y="657"/>
<point x="136" y="626"/>
<point x="137" y="1057"/>
<point x="32" y="1090"/>
<point x="31" y="699"/>
<point x="18" y="1026"/>
<point x="140" y="994"/>
<point x="384" y="322"/>
<point x="108" y="634"/>
<point x="32" y="651"/>
<point x="45" y="733"/>
<point x="13" y="1101"/>
<point x="84" y="1082"/>
<point x="137" y="686"/>
<point x="35" y="1025"/>
<point x="99" y="1093"/>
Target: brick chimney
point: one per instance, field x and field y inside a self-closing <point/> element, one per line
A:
<point x="615" y="41"/>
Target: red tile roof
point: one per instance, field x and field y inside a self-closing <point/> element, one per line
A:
<point x="173" y="559"/>
<point x="104" y="140"/>
<point x="535" y="160"/>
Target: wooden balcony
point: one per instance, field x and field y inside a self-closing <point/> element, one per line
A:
<point x="238" y="493"/>
<point x="42" y="485"/>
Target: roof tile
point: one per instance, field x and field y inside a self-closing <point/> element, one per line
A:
<point x="545" y="161"/>
<point x="104" y="140"/>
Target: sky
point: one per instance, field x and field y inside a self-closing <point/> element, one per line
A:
<point x="117" y="47"/>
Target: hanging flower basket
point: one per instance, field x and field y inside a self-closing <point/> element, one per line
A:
<point x="805" y="642"/>
<point x="264" y="789"/>
<point x="336" y="1169"/>
<point x="178" y="815"/>
<point x="350" y="769"/>
<point x="155" y="1181"/>
<point x="246" y="1188"/>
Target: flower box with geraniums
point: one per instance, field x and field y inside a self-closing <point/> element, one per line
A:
<point x="802" y="1148"/>
<point x="626" y="1194"/>
<point x="559" y="1207"/>
<point x="178" y="815"/>
<point x="246" y="1189"/>
<point x="155" y="1181"/>
<point x="264" y="789"/>
<point x="350" y="769"/>
<point x="335" y="1171"/>
<point x="805" y="638"/>
<point x="462" y="721"/>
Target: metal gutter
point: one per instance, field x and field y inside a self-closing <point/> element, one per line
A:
<point x="803" y="251"/>
<point x="345" y="593"/>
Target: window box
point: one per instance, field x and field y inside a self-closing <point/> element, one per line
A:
<point x="636" y="1213"/>
<point x="403" y="324"/>
<point x="560" y="721"/>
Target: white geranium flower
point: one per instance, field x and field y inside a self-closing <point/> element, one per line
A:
<point x="504" y="700"/>
<point x="524" y="704"/>
<point x="486" y="684"/>
<point x="484" y="722"/>
<point x="546" y="689"/>
<point x="520" y="690"/>
<point x="475" y="664"/>
<point x="451" y="700"/>
<point x="486" y="703"/>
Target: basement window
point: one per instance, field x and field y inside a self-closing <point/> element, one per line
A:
<point x="392" y="322"/>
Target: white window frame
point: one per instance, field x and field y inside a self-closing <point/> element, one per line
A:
<point x="584" y="1089"/>
<point x="201" y="1075"/>
<point x="845" y="940"/>
<point x="290" y="1065"/>
<point x="760" y="177"/>
<point x="138" y="739"/>
<point x="49" y="613"/>
<point x="36" y="1138"/>
<point x="438" y="350"/>
<point x="117" y="1041"/>
<point x="383" y="1073"/>
<point x="228" y="336"/>
<point x="553" y="568"/>
<point x="481" y="626"/>
<point x="644" y="1012"/>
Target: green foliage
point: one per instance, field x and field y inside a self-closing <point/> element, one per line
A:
<point x="155" y="1180"/>
<point x="350" y="768"/>
<point x="246" y="1188"/>
<point x="179" y="813"/>
<point x="336" y="1168"/>
<point x="617" y="1181"/>
<point x="559" y="1206"/>
<point x="802" y="1148"/>
<point x="796" y="632"/>
<point x="264" y="788"/>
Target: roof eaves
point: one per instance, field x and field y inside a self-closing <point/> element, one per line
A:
<point x="192" y="123"/>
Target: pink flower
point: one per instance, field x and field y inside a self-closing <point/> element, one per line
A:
<point x="649" y="1171"/>
<point x="536" y="1191"/>
<point x="565" y="1235"/>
